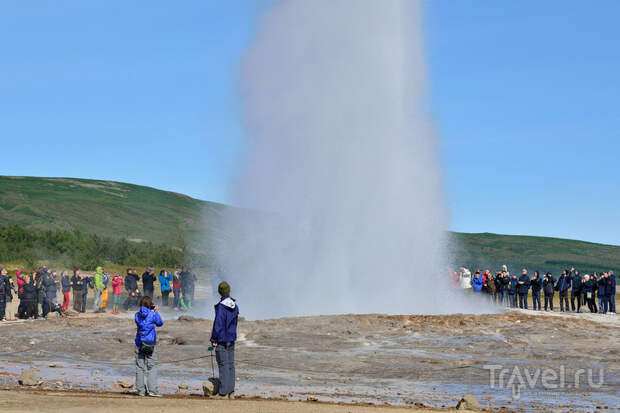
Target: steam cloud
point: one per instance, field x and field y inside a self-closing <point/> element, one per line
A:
<point x="342" y="161"/>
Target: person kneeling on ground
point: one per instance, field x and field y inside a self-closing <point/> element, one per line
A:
<point x="223" y="338"/>
<point x="147" y="319"/>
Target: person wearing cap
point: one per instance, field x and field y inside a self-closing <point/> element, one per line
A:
<point x="223" y="337"/>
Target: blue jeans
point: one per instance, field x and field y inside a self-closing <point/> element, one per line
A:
<point x="225" y="356"/>
<point x="536" y="299"/>
<point x="612" y="302"/>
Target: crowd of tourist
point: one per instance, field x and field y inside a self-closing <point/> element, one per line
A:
<point x="45" y="291"/>
<point x="513" y="290"/>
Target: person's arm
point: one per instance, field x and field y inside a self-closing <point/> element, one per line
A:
<point x="157" y="318"/>
<point x="218" y="326"/>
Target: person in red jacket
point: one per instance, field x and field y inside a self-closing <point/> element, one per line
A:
<point x="117" y="283"/>
<point x="176" y="290"/>
<point x="20" y="281"/>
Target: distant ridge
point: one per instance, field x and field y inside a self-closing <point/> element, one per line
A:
<point x="135" y="212"/>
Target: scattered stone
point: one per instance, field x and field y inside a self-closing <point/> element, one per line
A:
<point x="125" y="384"/>
<point x="312" y="399"/>
<point x="30" y="377"/>
<point x="183" y="386"/>
<point x="468" y="402"/>
<point x="189" y="318"/>
<point x="211" y="387"/>
<point x="52" y="365"/>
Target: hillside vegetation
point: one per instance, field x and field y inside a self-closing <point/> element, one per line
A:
<point x="138" y="213"/>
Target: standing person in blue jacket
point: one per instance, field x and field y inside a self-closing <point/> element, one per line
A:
<point x="476" y="282"/>
<point x="223" y="338"/>
<point x="523" y="286"/>
<point x="147" y="319"/>
<point x="512" y="291"/>
<point x="575" y="292"/>
<point x="587" y="291"/>
<point x="612" y="292"/>
<point x="536" y="284"/>
<point x="562" y="287"/>
<point x="549" y="288"/>
<point x="164" y="281"/>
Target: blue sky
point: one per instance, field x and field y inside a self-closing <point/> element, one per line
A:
<point x="525" y="97"/>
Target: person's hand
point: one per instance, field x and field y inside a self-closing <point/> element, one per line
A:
<point x="156" y="308"/>
<point x="214" y="344"/>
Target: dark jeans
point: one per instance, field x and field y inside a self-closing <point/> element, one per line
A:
<point x="575" y="295"/>
<point x="84" y="299"/>
<point x="225" y="356"/>
<point x="523" y="300"/>
<point x="536" y="300"/>
<point x="148" y="293"/>
<point x="612" y="302"/>
<point x="177" y="298"/>
<point x="605" y="304"/>
<point x="564" y="299"/>
<point x="164" y="297"/>
<point x="2" y="309"/>
<point x="46" y="306"/>
<point x="549" y="301"/>
<point x="513" y="300"/>
<point x="500" y="296"/>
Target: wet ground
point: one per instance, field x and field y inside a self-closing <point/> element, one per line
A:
<point x="400" y="360"/>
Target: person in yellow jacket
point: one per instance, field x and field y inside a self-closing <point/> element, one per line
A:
<point x="104" y="293"/>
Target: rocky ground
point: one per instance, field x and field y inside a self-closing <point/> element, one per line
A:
<point x="405" y="360"/>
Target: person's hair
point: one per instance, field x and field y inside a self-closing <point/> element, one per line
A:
<point x="146" y="302"/>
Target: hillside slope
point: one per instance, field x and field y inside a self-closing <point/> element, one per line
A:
<point x="136" y="212"/>
<point x="106" y="208"/>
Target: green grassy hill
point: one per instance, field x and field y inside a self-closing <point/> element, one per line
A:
<point x="107" y="208"/>
<point x="120" y="210"/>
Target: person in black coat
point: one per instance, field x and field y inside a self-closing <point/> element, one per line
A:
<point x="575" y="293"/>
<point x="548" y="285"/>
<point x="562" y="287"/>
<point x="536" y="284"/>
<point x="523" y="286"/>
<point x="586" y="290"/>
<point x="148" y="278"/>
<point x="133" y="292"/>
<point x="28" y="300"/>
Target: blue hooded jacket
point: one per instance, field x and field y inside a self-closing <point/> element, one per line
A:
<point x="476" y="282"/>
<point x="225" y="323"/>
<point x="164" y="281"/>
<point x="146" y="321"/>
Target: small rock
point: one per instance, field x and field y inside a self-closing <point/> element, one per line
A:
<point x="211" y="387"/>
<point x="30" y="377"/>
<point x="183" y="386"/>
<point x="468" y="402"/>
<point x="312" y="399"/>
<point x="125" y="384"/>
<point x="52" y="365"/>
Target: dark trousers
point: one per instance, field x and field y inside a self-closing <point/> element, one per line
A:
<point x="523" y="300"/>
<point x="563" y="299"/>
<point x="46" y="306"/>
<point x="590" y="302"/>
<point x="2" y="309"/>
<point x="148" y="293"/>
<point x="549" y="301"/>
<point x="84" y="299"/>
<point x="177" y="298"/>
<point x="604" y="304"/>
<point x="225" y="356"/>
<point x="612" y="302"/>
<point x="500" y="297"/>
<point x="575" y="296"/>
<point x="164" y="297"/>
<point x="513" y="300"/>
<point x="27" y="309"/>
<point x="536" y="300"/>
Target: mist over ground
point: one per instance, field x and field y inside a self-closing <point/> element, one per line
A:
<point x="343" y="160"/>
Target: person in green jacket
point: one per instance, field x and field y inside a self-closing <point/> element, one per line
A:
<point x="98" y="288"/>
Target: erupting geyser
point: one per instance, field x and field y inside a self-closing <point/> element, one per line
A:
<point x="342" y="164"/>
